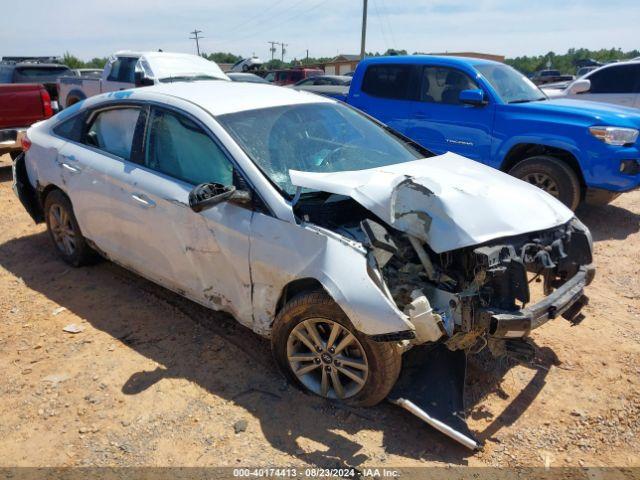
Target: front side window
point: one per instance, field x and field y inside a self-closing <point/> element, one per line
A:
<point x="510" y="85"/>
<point x="178" y="147"/>
<point x="317" y="137"/>
<point x="616" y="79"/>
<point x="123" y="70"/>
<point x="443" y="85"/>
<point x="113" y="130"/>
<point x="387" y="81"/>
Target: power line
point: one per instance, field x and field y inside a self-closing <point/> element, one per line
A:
<point x="195" y="37"/>
<point x="385" y="11"/>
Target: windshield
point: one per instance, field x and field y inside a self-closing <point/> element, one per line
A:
<point x="167" y="67"/>
<point x="316" y="137"/>
<point x="509" y="84"/>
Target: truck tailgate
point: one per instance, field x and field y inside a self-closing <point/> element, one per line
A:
<point x="20" y="105"/>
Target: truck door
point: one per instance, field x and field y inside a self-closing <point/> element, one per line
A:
<point x="121" y="74"/>
<point x="442" y="123"/>
<point x="387" y="93"/>
<point x="615" y="84"/>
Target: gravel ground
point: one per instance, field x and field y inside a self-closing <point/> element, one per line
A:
<point x="153" y="379"/>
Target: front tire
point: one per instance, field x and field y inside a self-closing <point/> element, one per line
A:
<point x="551" y="175"/>
<point x="319" y="350"/>
<point x="64" y="230"/>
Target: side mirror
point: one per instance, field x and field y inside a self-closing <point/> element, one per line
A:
<point x="141" y="80"/>
<point x="207" y="195"/>
<point x="580" y="86"/>
<point x="473" y="97"/>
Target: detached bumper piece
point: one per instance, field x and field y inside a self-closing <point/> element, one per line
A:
<point x="567" y="300"/>
<point x="24" y="191"/>
<point x="431" y="387"/>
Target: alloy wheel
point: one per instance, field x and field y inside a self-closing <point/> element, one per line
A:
<point x="62" y="229"/>
<point x="543" y="182"/>
<point x="327" y="358"/>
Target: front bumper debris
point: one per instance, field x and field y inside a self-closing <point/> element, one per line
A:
<point x="560" y="302"/>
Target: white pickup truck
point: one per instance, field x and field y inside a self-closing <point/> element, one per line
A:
<point x="127" y="69"/>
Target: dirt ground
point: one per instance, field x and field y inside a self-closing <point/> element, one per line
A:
<point x="153" y="379"/>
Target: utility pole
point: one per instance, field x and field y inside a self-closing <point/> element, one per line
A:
<point x="273" y="48"/>
<point x="364" y="30"/>
<point x="283" y="50"/>
<point x="195" y="37"/>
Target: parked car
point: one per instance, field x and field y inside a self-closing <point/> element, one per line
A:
<point x="291" y="76"/>
<point x="88" y="72"/>
<point x="549" y="76"/>
<point x="336" y="86"/>
<point x="617" y="83"/>
<point x="342" y="241"/>
<point x="582" y="71"/>
<point x="45" y="74"/>
<point x="21" y="105"/>
<point x="489" y="112"/>
<point x="246" y="77"/>
<point x="138" y="69"/>
<point x="247" y="64"/>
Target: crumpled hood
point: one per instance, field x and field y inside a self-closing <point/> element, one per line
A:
<point x="447" y="201"/>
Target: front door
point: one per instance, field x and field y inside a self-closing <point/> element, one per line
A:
<point x="442" y="123"/>
<point x="204" y="255"/>
<point x="618" y="84"/>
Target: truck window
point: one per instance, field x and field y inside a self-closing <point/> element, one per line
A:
<point x="112" y="131"/>
<point x="123" y="70"/>
<point x="387" y="81"/>
<point x="617" y="79"/>
<point x="443" y="85"/>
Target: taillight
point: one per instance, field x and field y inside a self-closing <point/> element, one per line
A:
<point x="25" y="142"/>
<point x="46" y="103"/>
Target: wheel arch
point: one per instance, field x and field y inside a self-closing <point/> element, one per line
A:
<point x="297" y="287"/>
<point x="74" y="96"/>
<point x="522" y="151"/>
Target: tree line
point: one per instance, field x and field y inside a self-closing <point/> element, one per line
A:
<point x="567" y="63"/>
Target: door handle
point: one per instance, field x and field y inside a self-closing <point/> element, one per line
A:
<point x="71" y="168"/>
<point x="143" y="200"/>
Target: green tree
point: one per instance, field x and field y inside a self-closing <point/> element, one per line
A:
<point x="72" y="61"/>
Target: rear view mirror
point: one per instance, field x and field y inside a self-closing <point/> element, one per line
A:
<point x="580" y="86"/>
<point x="473" y="96"/>
<point x="207" y="195"/>
<point x="141" y="80"/>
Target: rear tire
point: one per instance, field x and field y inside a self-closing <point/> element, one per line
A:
<point x="551" y="175"/>
<point x="376" y="365"/>
<point x="64" y="231"/>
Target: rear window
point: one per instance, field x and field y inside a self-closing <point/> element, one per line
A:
<point x="71" y="129"/>
<point x="6" y="73"/>
<point x="37" y="72"/>
<point x="387" y="81"/>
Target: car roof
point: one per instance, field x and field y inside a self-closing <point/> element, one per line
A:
<point x="220" y="97"/>
<point x="450" y="61"/>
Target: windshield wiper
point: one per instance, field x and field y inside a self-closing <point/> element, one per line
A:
<point x="527" y="100"/>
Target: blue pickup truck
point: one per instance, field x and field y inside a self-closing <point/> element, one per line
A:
<point x="487" y="111"/>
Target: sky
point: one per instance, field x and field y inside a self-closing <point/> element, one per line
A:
<point x="97" y="28"/>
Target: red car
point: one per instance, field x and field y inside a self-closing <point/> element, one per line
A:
<point x="21" y="105"/>
<point x="291" y="76"/>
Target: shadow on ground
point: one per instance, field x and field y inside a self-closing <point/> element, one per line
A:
<point x="230" y="362"/>
<point x="609" y="222"/>
<point x="5" y="173"/>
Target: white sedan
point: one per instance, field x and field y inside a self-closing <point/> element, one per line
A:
<point x="344" y="242"/>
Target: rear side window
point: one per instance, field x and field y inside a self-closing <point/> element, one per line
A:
<point x="618" y="79"/>
<point x="71" y="129"/>
<point x="178" y="147"/>
<point x="123" y="70"/>
<point x="113" y="130"/>
<point x="387" y="81"/>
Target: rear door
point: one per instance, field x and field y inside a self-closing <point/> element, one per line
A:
<point x="91" y="162"/>
<point x="615" y="84"/>
<point x="442" y="123"/>
<point x="204" y="255"/>
<point x="388" y="92"/>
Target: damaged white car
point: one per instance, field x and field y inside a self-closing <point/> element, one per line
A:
<point x="341" y="240"/>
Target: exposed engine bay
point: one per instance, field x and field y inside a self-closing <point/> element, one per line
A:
<point x="472" y="297"/>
